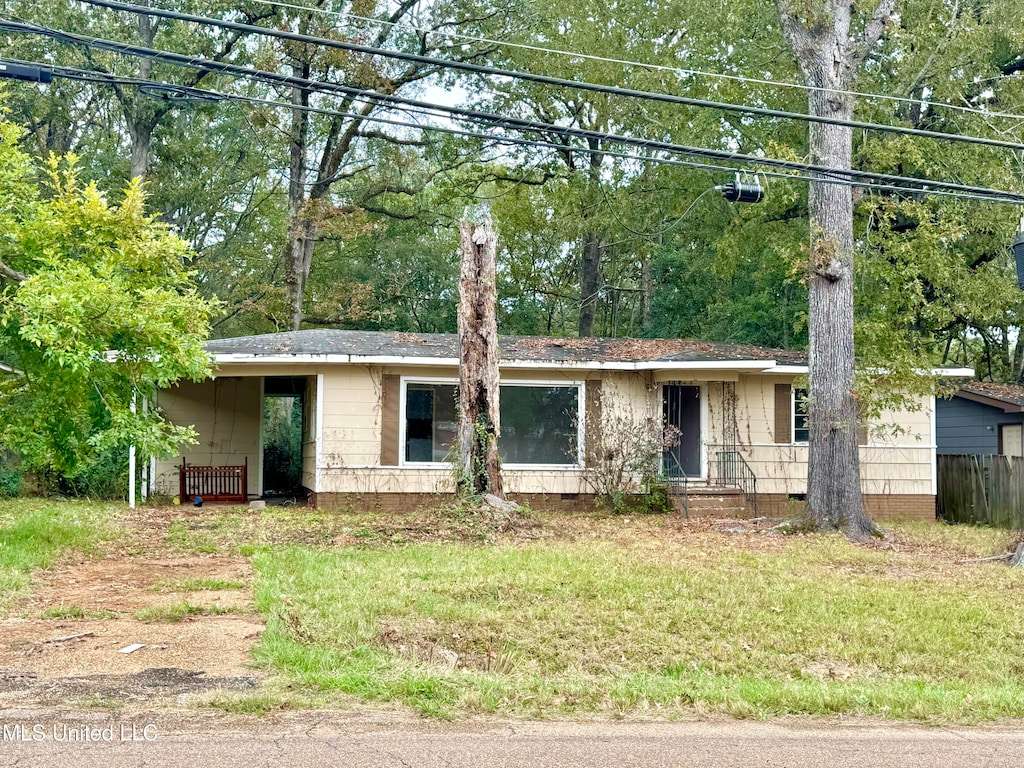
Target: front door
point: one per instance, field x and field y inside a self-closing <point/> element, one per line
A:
<point x="681" y="411"/>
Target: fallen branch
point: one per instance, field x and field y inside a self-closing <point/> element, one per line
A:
<point x="69" y="637"/>
<point x="1006" y="556"/>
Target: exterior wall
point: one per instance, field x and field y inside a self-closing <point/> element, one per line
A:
<point x="227" y="413"/>
<point x="964" y="426"/>
<point x="352" y="426"/>
<point x="897" y="459"/>
<point x="342" y="442"/>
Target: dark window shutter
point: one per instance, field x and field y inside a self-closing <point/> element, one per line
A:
<point x="389" y="402"/>
<point x="592" y="434"/>
<point x="783" y="413"/>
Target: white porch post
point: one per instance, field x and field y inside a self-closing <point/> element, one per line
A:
<point x="131" y="468"/>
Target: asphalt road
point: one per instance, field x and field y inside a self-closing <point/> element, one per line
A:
<point x="315" y="739"/>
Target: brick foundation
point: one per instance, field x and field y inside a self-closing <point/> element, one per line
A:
<point x="919" y="507"/>
<point x="878" y="507"/>
<point x="408" y="502"/>
<point x="771" y="505"/>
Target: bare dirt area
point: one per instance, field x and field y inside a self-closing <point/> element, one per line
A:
<point x="186" y="619"/>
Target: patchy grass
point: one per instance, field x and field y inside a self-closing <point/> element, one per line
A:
<point x="75" y="612"/>
<point x="649" y="616"/>
<point x="197" y="584"/>
<point x="244" y="531"/>
<point x="181" y="611"/>
<point x="36" y="533"/>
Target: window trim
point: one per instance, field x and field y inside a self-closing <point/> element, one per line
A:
<point x="578" y="385"/>
<point x="793" y="414"/>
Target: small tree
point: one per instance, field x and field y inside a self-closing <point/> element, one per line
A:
<point x="96" y="313"/>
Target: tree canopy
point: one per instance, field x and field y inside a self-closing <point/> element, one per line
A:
<point x="98" y="310"/>
<point x="300" y="209"/>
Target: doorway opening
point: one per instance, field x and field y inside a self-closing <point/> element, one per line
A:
<point x="283" y="421"/>
<point x="681" y="410"/>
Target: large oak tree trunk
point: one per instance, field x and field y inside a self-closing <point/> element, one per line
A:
<point x="479" y="420"/>
<point x="820" y="37"/>
<point x="834" y="499"/>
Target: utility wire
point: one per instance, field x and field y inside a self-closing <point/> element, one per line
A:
<point x="483" y="69"/>
<point x="353" y="93"/>
<point x="645" y="65"/>
<point x="208" y="96"/>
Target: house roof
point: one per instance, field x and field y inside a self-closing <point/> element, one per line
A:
<point x="1008" y="397"/>
<point x="332" y="345"/>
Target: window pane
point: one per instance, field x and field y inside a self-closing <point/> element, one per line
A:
<point x="431" y="421"/>
<point x="801" y="432"/>
<point x="539" y="425"/>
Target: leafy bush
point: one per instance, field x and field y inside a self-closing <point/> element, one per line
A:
<point x="12" y="480"/>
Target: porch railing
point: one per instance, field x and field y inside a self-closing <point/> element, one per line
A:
<point x="676" y="479"/>
<point x="734" y="472"/>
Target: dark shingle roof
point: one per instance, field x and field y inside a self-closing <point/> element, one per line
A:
<point x="1007" y="394"/>
<point x="326" y="341"/>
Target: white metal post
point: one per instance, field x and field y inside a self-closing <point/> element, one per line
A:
<point x="131" y="468"/>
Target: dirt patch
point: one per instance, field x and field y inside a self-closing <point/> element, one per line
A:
<point x="129" y="584"/>
<point x="65" y="644"/>
<point x="146" y="686"/>
<point x="37" y="665"/>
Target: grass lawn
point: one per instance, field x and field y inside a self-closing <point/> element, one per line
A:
<point x="653" y="617"/>
<point x="574" y="616"/>
<point x="34" y="533"/>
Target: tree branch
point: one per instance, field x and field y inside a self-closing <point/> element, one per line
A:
<point x="12" y="274"/>
<point x="873" y="31"/>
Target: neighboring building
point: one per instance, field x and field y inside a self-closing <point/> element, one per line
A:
<point x="982" y="418"/>
<point x="379" y="418"/>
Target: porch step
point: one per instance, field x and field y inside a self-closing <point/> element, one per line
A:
<point x="713" y="502"/>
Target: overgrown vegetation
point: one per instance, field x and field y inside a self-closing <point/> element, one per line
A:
<point x="635" y="618"/>
<point x="35" y="533"/>
<point x="572" y="615"/>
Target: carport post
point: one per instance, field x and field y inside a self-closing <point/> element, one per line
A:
<point x="131" y="468"/>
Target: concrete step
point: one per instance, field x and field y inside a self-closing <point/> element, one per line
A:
<point x="718" y="504"/>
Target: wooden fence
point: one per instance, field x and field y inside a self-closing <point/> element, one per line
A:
<point x="981" y="489"/>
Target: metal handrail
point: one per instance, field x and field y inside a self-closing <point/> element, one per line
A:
<point x="734" y="472"/>
<point x="677" y="481"/>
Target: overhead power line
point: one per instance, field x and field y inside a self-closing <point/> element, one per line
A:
<point x="200" y="95"/>
<point x="579" y="85"/>
<point x="685" y="71"/>
<point x="920" y="185"/>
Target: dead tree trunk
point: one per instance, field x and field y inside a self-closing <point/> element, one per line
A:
<point x="829" y="57"/>
<point x="479" y="422"/>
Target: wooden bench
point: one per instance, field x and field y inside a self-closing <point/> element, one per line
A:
<point x="214" y="483"/>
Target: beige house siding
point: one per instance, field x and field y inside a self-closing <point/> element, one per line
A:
<point x="342" y="438"/>
<point x="353" y="423"/>
<point x="896" y="460"/>
<point x="227" y="414"/>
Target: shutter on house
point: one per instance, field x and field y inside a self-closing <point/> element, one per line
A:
<point x="389" y="402"/>
<point x="783" y="413"/>
<point x="592" y="433"/>
<point x="862" y="428"/>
